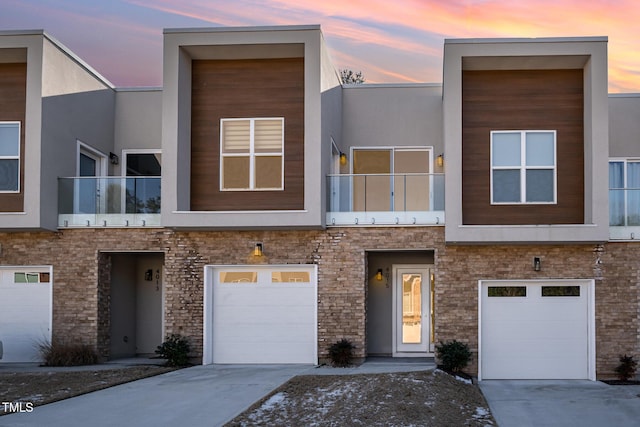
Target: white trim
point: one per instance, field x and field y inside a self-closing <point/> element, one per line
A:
<point x="523" y="168"/>
<point x="208" y="303"/>
<point x="101" y="170"/>
<point x="41" y="269"/>
<point x="18" y="157"/>
<point x="127" y="151"/>
<point x="84" y="148"/>
<point x="123" y="171"/>
<point x="237" y="212"/>
<point x="252" y="154"/>
<point x="392" y="151"/>
<point x="591" y="316"/>
<point x="425" y="303"/>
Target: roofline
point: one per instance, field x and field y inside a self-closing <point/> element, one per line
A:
<point x="389" y="85"/>
<point x="63" y="48"/>
<point x="78" y="60"/>
<point x="528" y="40"/>
<point x="624" y="95"/>
<point x="22" y="32"/>
<point x="242" y="29"/>
<point x="139" y="89"/>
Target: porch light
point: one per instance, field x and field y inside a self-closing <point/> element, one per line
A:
<point x="440" y="160"/>
<point x="257" y="250"/>
<point x="343" y="158"/>
<point x="379" y="275"/>
<point x="113" y="157"/>
<point x="536" y="263"/>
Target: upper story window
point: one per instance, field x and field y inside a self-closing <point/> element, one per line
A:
<point x="523" y="167"/>
<point x="9" y="157"/>
<point x="624" y="192"/>
<point x="252" y="154"/>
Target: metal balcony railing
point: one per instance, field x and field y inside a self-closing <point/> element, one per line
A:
<point x="109" y="201"/>
<point x="392" y="199"/>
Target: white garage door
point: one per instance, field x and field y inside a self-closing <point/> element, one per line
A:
<point x="25" y="311"/>
<point x="258" y="314"/>
<point x="536" y="330"/>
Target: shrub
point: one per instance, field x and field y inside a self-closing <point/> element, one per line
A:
<point x="175" y="349"/>
<point x="59" y="353"/>
<point x="454" y="355"/>
<point x="627" y="368"/>
<point x="341" y="353"/>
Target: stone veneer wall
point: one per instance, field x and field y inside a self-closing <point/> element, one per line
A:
<point x="81" y="270"/>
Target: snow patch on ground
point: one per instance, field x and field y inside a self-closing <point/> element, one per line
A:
<point x="275" y="401"/>
<point x="464" y="380"/>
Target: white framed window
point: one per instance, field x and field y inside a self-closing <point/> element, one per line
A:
<point x="252" y="154"/>
<point x="9" y="157"/>
<point x="523" y="167"/>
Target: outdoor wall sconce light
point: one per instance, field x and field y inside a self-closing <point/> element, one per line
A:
<point x="379" y="275"/>
<point x="257" y="250"/>
<point x="440" y="160"/>
<point x="537" y="264"/>
<point x="113" y="158"/>
<point x="343" y="158"/>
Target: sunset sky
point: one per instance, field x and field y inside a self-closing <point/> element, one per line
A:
<point x="389" y="41"/>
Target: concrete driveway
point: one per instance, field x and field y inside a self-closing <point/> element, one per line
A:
<point x="197" y="396"/>
<point x="523" y="403"/>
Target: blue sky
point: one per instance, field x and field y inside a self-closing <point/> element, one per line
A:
<point x="399" y="41"/>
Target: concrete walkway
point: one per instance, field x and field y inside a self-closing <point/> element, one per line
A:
<point x="198" y="396"/>
<point x="524" y="403"/>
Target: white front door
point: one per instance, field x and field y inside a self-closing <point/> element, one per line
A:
<point x="411" y="309"/>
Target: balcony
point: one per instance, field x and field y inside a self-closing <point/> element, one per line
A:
<point x="109" y="202"/>
<point x="624" y="213"/>
<point x="385" y="199"/>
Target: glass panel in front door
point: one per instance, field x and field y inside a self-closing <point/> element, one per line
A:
<point x="411" y="308"/>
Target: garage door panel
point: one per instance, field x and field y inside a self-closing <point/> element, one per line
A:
<point x="267" y="325"/>
<point x="535" y="337"/>
<point x="245" y="352"/>
<point x="25" y="315"/>
<point x="259" y="295"/>
<point x="265" y="321"/>
<point x="282" y="315"/>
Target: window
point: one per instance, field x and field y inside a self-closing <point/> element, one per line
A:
<point x="9" y="157"/>
<point x="523" y="167"/>
<point x="624" y="192"/>
<point x="142" y="187"/>
<point x="19" y="277"/>
<point x="290" y="276"/>
<point x="507" y="291"/>
<point x="561" y="291"/>
<point x="238" y="277"/>
<point x="251" y="154"/>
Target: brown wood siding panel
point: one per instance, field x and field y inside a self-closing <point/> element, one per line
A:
<point x="13" y="106"/>
<point x="522" y="100"/>
<point x="246" y="88"/>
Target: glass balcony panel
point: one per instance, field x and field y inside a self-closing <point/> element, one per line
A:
<point x="385" y="198"/>
<point x="109" y="201"/>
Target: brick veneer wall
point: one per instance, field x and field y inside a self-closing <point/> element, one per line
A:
<point x="81" y="268"/>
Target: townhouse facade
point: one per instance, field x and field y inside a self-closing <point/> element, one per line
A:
<point x="264" y="210"/>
